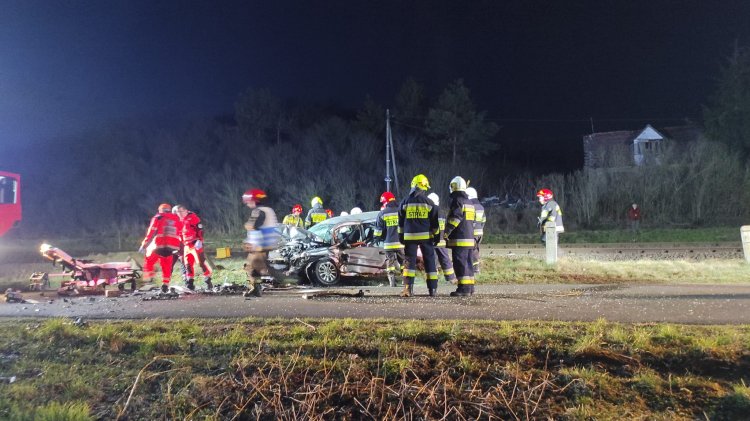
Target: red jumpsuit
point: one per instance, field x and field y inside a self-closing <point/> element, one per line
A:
<point x="162" y="241"/>
<point x="192" y="232"/>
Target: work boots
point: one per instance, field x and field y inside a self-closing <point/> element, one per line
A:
<point x="408" y="290"/>
<point x="461" y="291"/>
<point x="191" y="284"/>
<point x="209" y="285"/>
<point x="432" y="292"/>
<point x="165" y="288"/>
<point x="256" y="291"/>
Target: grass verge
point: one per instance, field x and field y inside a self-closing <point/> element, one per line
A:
<point x="383" y="369"/>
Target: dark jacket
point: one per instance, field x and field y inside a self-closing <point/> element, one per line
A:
<point x="459" y="228"/>
<point x="386" y="226"/>
<point x="418" y="218"/>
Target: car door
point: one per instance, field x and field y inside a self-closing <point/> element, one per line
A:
<point x="364" y="258"/>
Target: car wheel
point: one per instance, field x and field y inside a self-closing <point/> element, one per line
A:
<point x="326" y="273"/>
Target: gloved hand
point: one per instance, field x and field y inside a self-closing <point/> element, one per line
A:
<point x="198" y="244"/>
<point x="142" y="250"/>
<point x="435" y="240"/>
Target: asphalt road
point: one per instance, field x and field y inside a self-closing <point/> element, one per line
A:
<point x="690" y="304"/>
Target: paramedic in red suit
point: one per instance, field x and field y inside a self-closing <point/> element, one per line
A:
<point x="161" y="242"/>
<point x="192" y="238"/>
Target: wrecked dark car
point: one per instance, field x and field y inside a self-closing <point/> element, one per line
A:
<point x="337" y="249"/>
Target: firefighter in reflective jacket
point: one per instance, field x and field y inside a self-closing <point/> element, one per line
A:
<point x="294" y="219"/>
<point x="551" y="213"/>
<point x="386" y="227"/>
<point x="316" y="214"/>
<point x="262" y="237"/>
<point x="479" y="221"/>
<point x="459" y="233"/>
<point x="442" y="254"/>
<point x="192" y="238"/>
<point x="419" y="229"/>
<point x="162" y="242"/>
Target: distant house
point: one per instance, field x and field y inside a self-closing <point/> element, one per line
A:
<point x="632" y="147"/>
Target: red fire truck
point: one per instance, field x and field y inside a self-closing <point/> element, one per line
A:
<point x="10" y="201"/>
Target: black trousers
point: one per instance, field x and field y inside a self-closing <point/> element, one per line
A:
<point x="463" y="267"/>
<point x="446" y="263"/>
<point x="410" y="265"/>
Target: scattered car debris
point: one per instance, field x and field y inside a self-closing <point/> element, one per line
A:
<point x="317" y="294"/>
<point x="13" y="296"/>
<point x="86" y="277"/>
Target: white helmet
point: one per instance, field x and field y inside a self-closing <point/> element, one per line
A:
<point x="175" y="208"/>
<point x="435" y="198"/>
<point x="344" y="213"/>
<point x="458" y="184"/>
<point x="471" y="192"/>
<point x="355" y="210"/>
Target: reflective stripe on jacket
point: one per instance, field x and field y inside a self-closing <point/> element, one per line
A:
<point x="164" y="230"/>
<point x="192" y="228"/>
<point x="315" y="215"/>
<point x="293" y="220"/>
<point x="459" y="227"/>
<point x="386" y="226"/>
<point x="551" y="212"/>
<point x="480" y="218"/>
<point x="418" y="217"/>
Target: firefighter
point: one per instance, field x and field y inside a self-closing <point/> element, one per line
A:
<point x="179" y="257"/>
<point x="479" y="221"/>
<point x="294" y="219"/>
<point x="551" y="212"/>
<point x="192" y="239"/>
<point x="262" y="237"/>
<point x="386" y="227"/>
<point x="442" y="254"/>
<point x="459" y="234"/>
<point x="418" y="229"/>
<point x="162" y="242"/>
<point x="316" y="214"/>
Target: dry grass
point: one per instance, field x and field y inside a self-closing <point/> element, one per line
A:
<point x="385" y="369"/>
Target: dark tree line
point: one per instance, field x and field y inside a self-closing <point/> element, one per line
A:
<point x="111" y="181"/>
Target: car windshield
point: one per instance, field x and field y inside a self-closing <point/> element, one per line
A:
<point x="323" y="230"/>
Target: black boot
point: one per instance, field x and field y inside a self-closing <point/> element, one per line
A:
<point x="432" y="292"/>
<point x="165" y="288"/>
<point x="257" y="290"/>
<point x="191" y="284"/>
<point x="461" y="291"/>
<point x="209" y="285"/>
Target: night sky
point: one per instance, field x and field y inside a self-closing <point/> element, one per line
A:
<point x="535" y="67"/>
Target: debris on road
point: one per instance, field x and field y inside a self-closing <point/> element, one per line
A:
<point x="13" y="296"/>
<point x="316" y="294"/>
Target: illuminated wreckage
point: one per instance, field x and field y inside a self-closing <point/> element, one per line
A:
<point x="86" y="276"/>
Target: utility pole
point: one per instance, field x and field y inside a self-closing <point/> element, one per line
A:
<point x="390" y="155"/>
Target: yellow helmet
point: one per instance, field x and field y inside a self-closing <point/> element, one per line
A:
<point x="458" y="184"/>
<point x="315" y="200"/>
<point x="420" y="181"/>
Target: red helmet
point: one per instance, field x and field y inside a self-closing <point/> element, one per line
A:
<point x="545" y="194"/>
<point x="165" y="207"/>
<point x="253" y="195"/>
<point x="387" y="197"/>
<point x="329" y="213"/>
<point x="297" y="208"/>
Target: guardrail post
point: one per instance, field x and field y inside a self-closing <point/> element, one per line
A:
<point x="550" y="237"/>
<point x="745" y="235"/>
